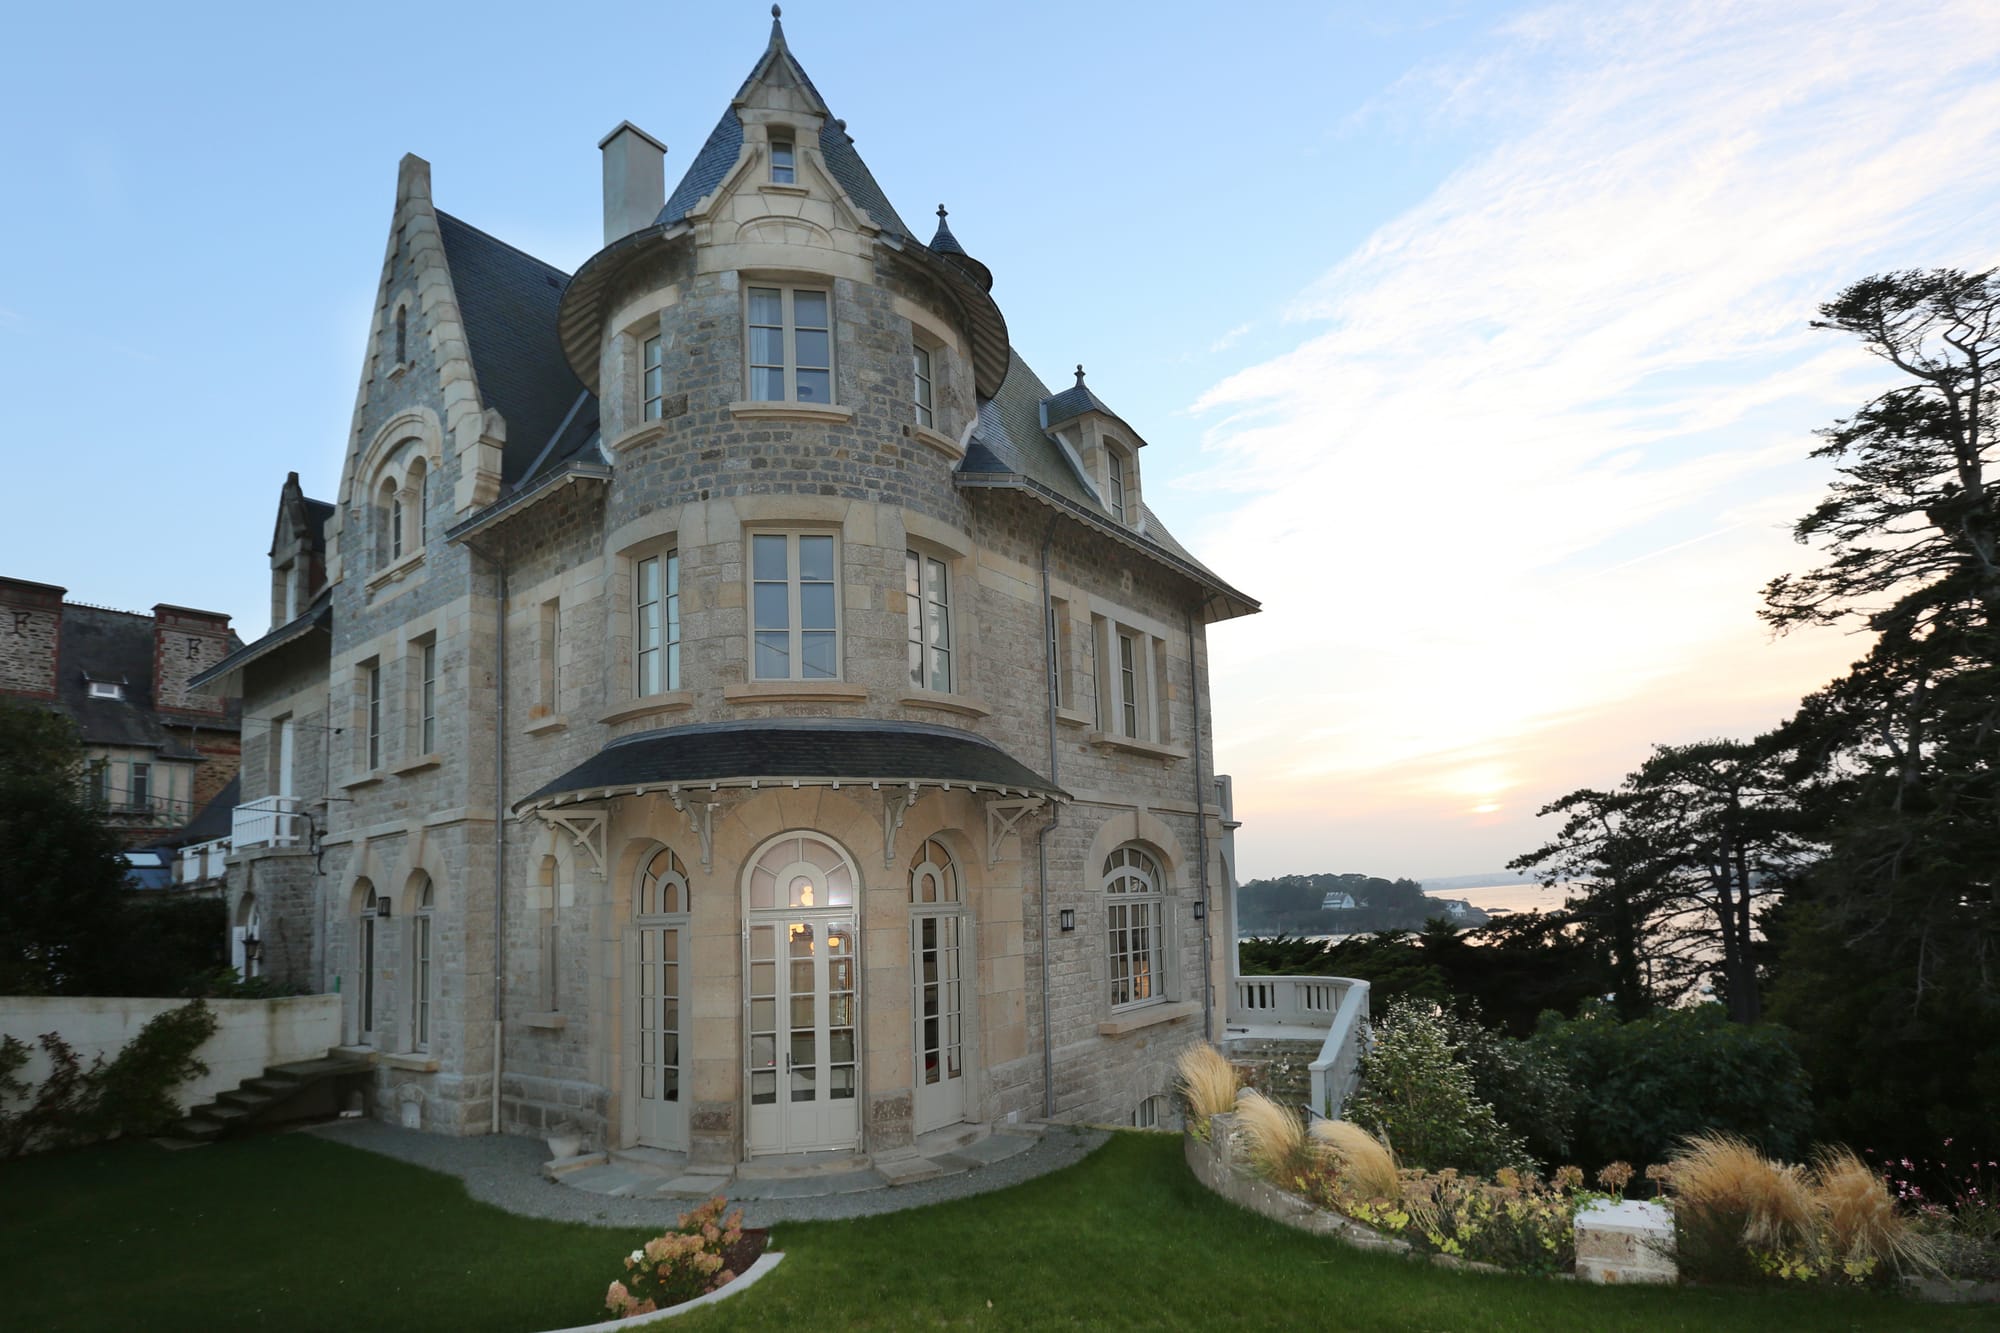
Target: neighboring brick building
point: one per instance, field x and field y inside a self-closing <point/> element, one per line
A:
<point x="156" y="748"/>
<point x="746" y="712"/>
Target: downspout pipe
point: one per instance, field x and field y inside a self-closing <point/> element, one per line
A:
<point x="1201" y="842"/>
<point x="499" y="831"/>
<point x="1052" y="677"/>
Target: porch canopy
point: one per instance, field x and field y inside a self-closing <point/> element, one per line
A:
<point x="787" y="751"/>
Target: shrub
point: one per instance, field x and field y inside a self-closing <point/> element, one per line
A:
<point x="678" y="1265"/>
<point x="131" y="1094"/>
<point x="1274" y="1137"/>
<point x="1517" y="1221"/>
<point x="1208" y="1082"/>
<point x="1646" y="1085"/>
<point x="1526" y="1084"/>
<point x="1418" y="1097"/>
<point x="1364" y="1161"/>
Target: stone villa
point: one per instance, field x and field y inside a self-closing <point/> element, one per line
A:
<point x="732" y="705"/>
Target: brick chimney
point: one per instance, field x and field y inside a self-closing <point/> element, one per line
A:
<point x="30" y="636"/>
<point x="635" y="180"/>
<point x="185" y="644"/>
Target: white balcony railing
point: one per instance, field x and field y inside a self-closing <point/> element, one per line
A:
<point x="1336" y="1005"/>
<point x="201" y="862"/>
<point x="269" y="821"/>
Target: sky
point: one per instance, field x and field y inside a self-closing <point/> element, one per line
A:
<point x="1471" y="338"/>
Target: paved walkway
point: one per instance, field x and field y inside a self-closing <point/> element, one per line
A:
<point x="647" y="1189"/>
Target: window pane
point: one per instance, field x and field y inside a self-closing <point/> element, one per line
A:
<point x="772" y="609"/>
<point x="815" y="386"/>
<point x="916" y="663"/>
<point x="818" y="657"/>
<point x="652" y="353"/>
<point x="767" y="305"/>
<point x="815" y="605"/>
<point x="767" y="555"/>
<point x="767" y="386"/>
<point x="940" y="670"/>
<point x="774" y="656"/>
<point x="809" y="309"/>
<point x="812" y="349"/>
<point x="816" y="559"/>
<point x="767" y="347"/>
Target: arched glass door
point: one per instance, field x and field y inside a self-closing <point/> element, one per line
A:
<point x="802" y="1069"/>
<point x="937" y="1000"/>
<point x="656" y="948"/>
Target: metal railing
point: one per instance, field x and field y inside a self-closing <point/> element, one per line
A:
<point x="269" y="821"/>
<point x="1337" y="1004"/>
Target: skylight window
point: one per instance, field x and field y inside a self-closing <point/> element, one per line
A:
<point x="106" y="689"/>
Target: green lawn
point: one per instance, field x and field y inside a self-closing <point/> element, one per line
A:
<point x="294" y="1232"/>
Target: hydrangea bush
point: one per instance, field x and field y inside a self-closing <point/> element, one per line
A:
<point x="679" y="1265"/>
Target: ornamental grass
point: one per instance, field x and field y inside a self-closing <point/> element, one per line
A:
<point x="1728" y="1186"/>
<point x="1207" y="1081"/>
<point x="1272" y="1133"/>
<point x="1366" y="1161"/>
<point x="1862" y="1225"/>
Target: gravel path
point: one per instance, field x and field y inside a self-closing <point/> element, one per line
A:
<point x="506" y="1170"/>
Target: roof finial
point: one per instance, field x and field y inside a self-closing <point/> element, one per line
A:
<point x="941" y="213"/>
<point x="1079" y="374"/>
<point x="777" y="12"/>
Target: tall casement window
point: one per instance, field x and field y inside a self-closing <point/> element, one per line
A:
<point x="420" y="501"/>
<point x="921" y="376"/>
<point x="1134" y="909"/>
<point x="659" y="909"/>
<point x="420" y="970"/>
<point x="1114" y="490"/>
<point x="402" y="334"/>
<point x="937" y="938"/>
<point x="791" y="345"/>
<point x="364" y="961"/>
<point x="1131" y="701"/>
<point x="427" y="701"/>
<point x="653" y="372"/>
<point x="927" y="595"/>
<point x="795" y="618"/>
<point x="657" y="622"/>
<point x="549" y="654"/>
<point x="97" y="782"/>
<point x="388" y="523"/>
<point x="139" y="787"/>
<point x="1128" y="684"/>
<point x="371" y="684"/>
<point x="784" y="161"/>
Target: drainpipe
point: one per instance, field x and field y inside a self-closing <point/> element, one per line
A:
<point x="1049" y="648"/>
<point x="1201" y="841"/>
<point x="499" y="832"/>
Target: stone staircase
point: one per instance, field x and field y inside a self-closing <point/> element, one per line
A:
<point x="300" y="1090"/>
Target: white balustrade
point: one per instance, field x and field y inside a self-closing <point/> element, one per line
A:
<point x="1339" y="1005"/>
<point x="269" y="821"/>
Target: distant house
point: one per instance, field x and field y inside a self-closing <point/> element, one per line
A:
<point x="156" y="749"/>
<point x="1336" y="901"/>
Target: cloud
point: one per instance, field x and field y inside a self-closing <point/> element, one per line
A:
<point x="1543" y="435"/>
<point x="1228" y="339"/>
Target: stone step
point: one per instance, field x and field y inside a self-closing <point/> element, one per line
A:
<point x="249" y="1097"/>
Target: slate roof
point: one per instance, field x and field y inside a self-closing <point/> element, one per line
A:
<point x="508" y="299"/>
<point x="779" y="749"/>
<point x="117" y="646"/>
<point x="215" y="819"/>
<point x="317" y="615"/>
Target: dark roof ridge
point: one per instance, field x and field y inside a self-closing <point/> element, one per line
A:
<point x="469" y="226"/>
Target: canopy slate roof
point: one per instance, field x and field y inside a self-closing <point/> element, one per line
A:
<point x="508" y="300"/>
<point x="117" y="647"/>
<point x="778" y="750"/>
<point x="318" y="615"/>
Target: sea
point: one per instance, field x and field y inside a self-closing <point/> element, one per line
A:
<point x="1500" y="899"/>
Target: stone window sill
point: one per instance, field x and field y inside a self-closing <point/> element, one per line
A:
<point x="645" y="433"/>
<point x="541" y="726"/>
<point x="778" y="187"/>
<point x="944" y="444"/>
<point x="400" y="369"/>
<point x="1069" y="717"/>
<point x="1152" y="1015"/>
<point x="368" y="779"/>
<point x="395" y="573"/>
<point x="411" y="1060"/>
<point x="417" y="765"/>
<point x="1106" y="740"/>
<point x="949" y="703"/>
<point x="674" y="701"/>
<point x="822" y="412"/>
<point x="547" y="1022"/>
<point x="794" y="691"/>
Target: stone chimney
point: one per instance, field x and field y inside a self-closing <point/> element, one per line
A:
<point x="635" y="180"/>
<point x="185" y="644"/>
<point x="30" y="637"/>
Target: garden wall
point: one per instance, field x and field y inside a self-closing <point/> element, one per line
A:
<point x="249" y="1034"/>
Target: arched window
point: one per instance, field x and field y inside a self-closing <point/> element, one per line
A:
<point x="1134" y="915"/>
<point x="933" y="875"/>
<point x="663" y="886"/>
<point x="364" y="960"/>
<point x="801" y="870"/>
<point x="1151" y="1113"/>
<point x="417" y="489"/>
<point x="389" y="522"/>
<point x="402" y="334"/>
<point x="420" y="970"/>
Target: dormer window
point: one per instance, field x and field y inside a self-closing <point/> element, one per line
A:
<point x="784" y="162"/>
<point x="921" y="361"/>
<point x="653" y="367"/>
<point x="106" y="689"/>
<point x="1114" y="491"/>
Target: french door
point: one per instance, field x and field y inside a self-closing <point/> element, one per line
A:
<point x="937" y="1005"/>
<point x="803" y="1071"/>
<point x="657" y="1073"/>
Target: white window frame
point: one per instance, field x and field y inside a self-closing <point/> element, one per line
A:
<point x="1114" y="481"/>
<point x="427" y="658"/>
<point x="656" y="625"/>
<point x="371" y="694"/>
<point x="139" y="785"/>
<point x="652" y="379"/>
<point x="794" y="582"/>
<point x="784" y="159"/>
<point x="548" y="654"/>
<point x="790" y="368"/>
<point x="421" y="979"/>
<point x="932" y="656"/>
<point x="923" y="386"/>
<point x="1129" y="670"/>
<point x="366" y="941"/>
<point x="1136" y="926"/>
